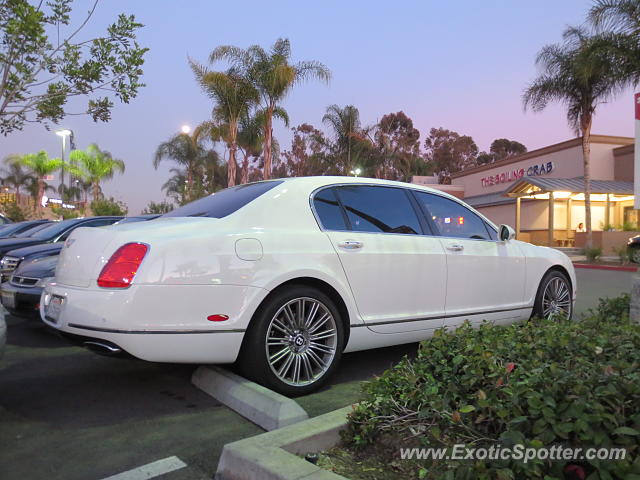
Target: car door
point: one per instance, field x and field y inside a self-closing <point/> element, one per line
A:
<point x="396" y="271"/>
<point x="485" y="276"/>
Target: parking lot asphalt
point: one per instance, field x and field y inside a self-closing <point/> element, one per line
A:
<point x="66" y="413"/>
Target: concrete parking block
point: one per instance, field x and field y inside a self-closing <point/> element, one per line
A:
<point x="274" y="455"/>
<point x="262" y="406"/>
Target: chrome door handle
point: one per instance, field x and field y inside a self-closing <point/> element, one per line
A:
<point x="455" y="247"/>
<point x="350" y="244"/>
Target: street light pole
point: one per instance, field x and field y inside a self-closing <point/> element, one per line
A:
<point x="64" y="134"/>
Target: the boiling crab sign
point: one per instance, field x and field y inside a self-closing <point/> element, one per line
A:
<point x="636" y="175"/>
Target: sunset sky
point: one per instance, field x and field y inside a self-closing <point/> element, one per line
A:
<point x="457" y="65"/>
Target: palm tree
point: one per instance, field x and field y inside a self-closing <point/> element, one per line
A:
<point x="621" y="16"/>
<point x="187" y="151"/>
<point x="345" y="123"/>
<point x="577" y="74"/>
<point x="234" y="96"/>
<point x="15" y="176"/>
<point x="40" y="165"/>
<point x="94" y="165"/>
<point x="250" y="141"/>
<point x="176" y="186"/>
<point x="618" y="25"/>
<point x="273" y="75"/>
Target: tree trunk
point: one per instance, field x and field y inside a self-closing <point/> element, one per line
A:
<point x="40" y="194"/>
<point x="232" y="166"/>
<point x="245" y="168"/>
<point x="96" y="191"/>
<point x="268" y="134"/>
<point x="586" y="156"/>
<point x="189" y="190"/>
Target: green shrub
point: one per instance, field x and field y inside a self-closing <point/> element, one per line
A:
<point x="593" y="253"/>
<point x="542" y="383"/>
<point x="14" y="212"/>
<point x="65" y="213"/>
<point x="622" y="252"/>
<point x="108" y="207"/>
<point x="160" y="207"/>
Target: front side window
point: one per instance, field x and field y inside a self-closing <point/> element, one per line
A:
<point x="225" y="202"/>
<point x="328" y="210"/>
<point x="453" y="219"/>
<point x="379" y="209"/>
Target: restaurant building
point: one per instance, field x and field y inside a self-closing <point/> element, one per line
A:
<point x="541" y="193"/>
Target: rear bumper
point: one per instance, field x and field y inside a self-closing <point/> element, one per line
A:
<point x="159" y="323"/>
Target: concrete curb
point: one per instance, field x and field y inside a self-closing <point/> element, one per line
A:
<point x="274" y="455"/>
<point x="606" y="267"/>
<point x="265" y="408"/>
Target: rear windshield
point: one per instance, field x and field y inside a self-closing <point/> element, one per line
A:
<point x="224" y="202"/>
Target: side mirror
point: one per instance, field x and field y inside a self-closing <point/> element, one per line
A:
<point x="507" y="233"/>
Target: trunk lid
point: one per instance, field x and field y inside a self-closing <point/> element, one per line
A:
<point x="87" y="250"/>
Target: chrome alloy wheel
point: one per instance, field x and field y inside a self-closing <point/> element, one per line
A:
<point x="301" y="341"/>
<point x="556" y="299"/>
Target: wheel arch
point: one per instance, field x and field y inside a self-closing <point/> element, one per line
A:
<point x="561" y="269"/>
<point x="321" y="285"/>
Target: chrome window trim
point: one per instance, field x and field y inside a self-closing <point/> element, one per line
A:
<point x="401" y="187"/>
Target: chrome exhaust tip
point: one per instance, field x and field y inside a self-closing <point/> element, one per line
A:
<point x="103" y="348"/>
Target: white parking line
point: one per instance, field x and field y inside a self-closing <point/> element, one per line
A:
<point x="150" y="470"/>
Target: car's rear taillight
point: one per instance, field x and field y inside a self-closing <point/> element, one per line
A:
<point x="122" y="266"/>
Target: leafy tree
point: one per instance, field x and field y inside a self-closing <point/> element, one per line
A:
<point x="308" y="154"/>
<point x="158" y="208"/>
<point x="621" y="16"/>
<point x="503" y="148"/>
<point x="399" y="145"/>
<point x="449" y="152"/>
<point x="15" y="176"/>
<point x="108" y="206"/>
<point x="273" y="75"/>
<point x="577" y="74"/>
<point x="234" y="95"/>
<point x="39" y="74"/>
<point x="40" y="165"/>
<point x="93" y="166"/>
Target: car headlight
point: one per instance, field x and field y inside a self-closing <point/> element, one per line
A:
<point x="43" y="281"/>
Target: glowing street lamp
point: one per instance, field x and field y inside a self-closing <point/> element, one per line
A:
<point x="356" y="172"/>
<point x="186" y="129"/>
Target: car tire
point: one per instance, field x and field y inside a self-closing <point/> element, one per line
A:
<point x="634" y="254"/>
<point x="302" y="352"/>
<point x="554" y="296"/>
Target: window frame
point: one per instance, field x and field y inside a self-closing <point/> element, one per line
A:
<point x="425" y="227"/>
<point x="428" y="217"/>
<point x="429" y="229"/>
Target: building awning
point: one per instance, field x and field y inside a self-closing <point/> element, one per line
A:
<point x="528" y="186"/>
<point x="488" y="199"/>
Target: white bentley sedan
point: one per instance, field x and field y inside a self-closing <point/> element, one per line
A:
<point x="283" y="276"/>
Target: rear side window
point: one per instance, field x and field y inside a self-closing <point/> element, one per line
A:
<point x="225" y="202"/>
<point x="328" y="210"/>
<point x="379" y="209"/>
<point x="453" y="219"/>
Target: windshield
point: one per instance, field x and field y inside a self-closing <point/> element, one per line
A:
<point x="7" y="230"/>
<point x="54" y="230"/>
<point x="31" y="231"/>
<point x="224" y="202"/>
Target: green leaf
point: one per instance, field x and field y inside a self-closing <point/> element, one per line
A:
<point x="626" y="431"/>
<point x="467" y="409"/>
